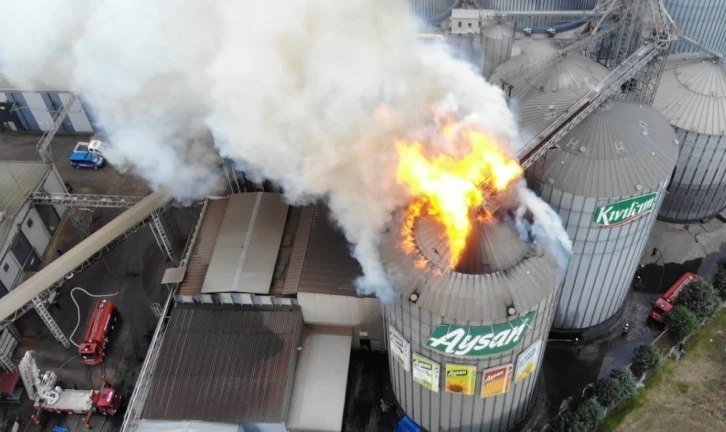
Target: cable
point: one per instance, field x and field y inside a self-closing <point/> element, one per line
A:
<point x="78" y="309"/>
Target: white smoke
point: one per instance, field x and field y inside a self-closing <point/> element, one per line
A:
<point x="288" y="91"/>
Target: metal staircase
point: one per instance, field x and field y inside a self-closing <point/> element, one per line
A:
<point x="50" y="322"/>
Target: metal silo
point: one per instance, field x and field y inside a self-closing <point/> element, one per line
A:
<point x="606" y="181"/>
<point x="433" y="11"/>
<point x="451" y="330"/>
<point x="692" y="97"/>
<point x="702" y="20"/>
<point x="497" y="47"/>
<point x="536" y="5"/>
<point x="540" y="97"/>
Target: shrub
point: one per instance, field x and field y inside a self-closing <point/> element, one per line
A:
<point x="627" y="381"/>
<point x="589" y="414"/>
<point x="645" y="359"/>
<point x="681" y="322"/>
<point x="563" y="422"/>
<point x="719" y="280"/>
<point x="607" y="391"/>
<point x="701" y="298"/>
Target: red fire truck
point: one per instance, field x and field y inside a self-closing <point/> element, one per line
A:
<point x="667" y="301"/>
<point x="103" y="320"/>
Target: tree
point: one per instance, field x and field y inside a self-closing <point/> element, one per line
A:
<point x="627" y="381"/>
<point x="589" y="414"/>
<point x="645" y="359"/>
<point x="607" y="391"/>
<point x="719" y="280"/>
<point x="563" y="422"/>
<point x="681" y="322"/>
<point x="701" y="298"/>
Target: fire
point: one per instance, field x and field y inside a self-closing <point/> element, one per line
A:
<point x="449" y="188"/>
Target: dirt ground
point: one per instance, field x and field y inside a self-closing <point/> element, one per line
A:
<point x="688" y="395"/>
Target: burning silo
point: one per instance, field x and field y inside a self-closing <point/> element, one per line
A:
<point x="466" y="341"/>
<point x="606" y="179"/>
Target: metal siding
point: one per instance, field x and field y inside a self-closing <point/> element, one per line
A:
<point x="55" y="104"/>
<point x="445" y="411"/>
<point x="37" y="235"/>
<point x="77" y="115"/>
<point x="433" y="10"/>
<point x="498" y="41"/>
<point x="362" y="313"/>
<point x="702" y="20"/>
<point x="36" y="106"/>
<point x="17" y="180"/>
<point x="26" y="118"/>
<point x="11" y="275"/>
<point x="54" y="184"/>
<point x="88" y="110"/>
<point x="203" y="248"/>
<point x="3" y="98"/>
<point x="536" y="5"/>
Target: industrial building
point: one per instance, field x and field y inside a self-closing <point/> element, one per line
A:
<point x="34" y="111"/>
<point x="692" y="96"/>
<point x="702" y="20"/>
<point x="502" y="294"/>
<point x="606" y="179"/>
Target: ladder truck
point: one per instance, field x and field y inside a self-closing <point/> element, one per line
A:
<point x="47" y="395"/>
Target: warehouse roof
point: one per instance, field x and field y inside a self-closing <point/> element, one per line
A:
<point x="247" y="244"/>
<point x="226" y="364"/>
<point x="321" y="261"/>
<point x="17" y="181"/>
<point x="692" y="94"/>
<point x="619" y="150"/>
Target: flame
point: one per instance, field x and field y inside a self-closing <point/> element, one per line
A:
<point x="450" y="188"/>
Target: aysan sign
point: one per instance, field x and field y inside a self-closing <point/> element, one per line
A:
<point x="466" y="341"/>
<point x="622" y="212"/>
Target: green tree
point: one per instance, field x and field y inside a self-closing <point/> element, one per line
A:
<point x="645" y="359"/>
<point x="628" y="383"/>
<point x="701" y="298"/>
<point x="589" y="414"/>
<point x="607" y="391"/>
<point x="681" y="322"/>
<point x="563" y="422"/>
<point x="719" y="280"/>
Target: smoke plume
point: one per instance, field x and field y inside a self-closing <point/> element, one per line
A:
<point x="308" y="94"/>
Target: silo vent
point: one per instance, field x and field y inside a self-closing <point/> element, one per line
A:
<point x="511" y="311"/>
<point x="413" y="297"/>
<point x="639" y="187"/>
<point x="645" y="132"/>
<point x="551" y="180"/>
<point x="583" y="149"/>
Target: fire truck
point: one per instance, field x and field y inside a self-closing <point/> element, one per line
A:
<point x="667" y="301"/>
<point x="47" y="395"/>
<point x="103" y="320"/>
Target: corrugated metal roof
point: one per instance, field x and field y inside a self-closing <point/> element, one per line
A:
<point x="521" y="281"/>
<point x="202" y="253"/>
<point x="226" y="364"/>
<point x="532" y="51"/>
<point x="248" y="244"/>
<point x="608" y="155"/>
<point x="692" y="94"/>
<point x="321" y="378"/>
<point x="321" y="260"/>
<point x="17" y="180"/>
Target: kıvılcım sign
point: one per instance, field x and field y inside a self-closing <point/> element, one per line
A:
<point x="467" y="341"/>
<point x="622" y="212"/>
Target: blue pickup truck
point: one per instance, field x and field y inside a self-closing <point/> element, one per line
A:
<point x="81" y="157"/>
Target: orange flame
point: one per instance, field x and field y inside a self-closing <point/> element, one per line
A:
<point x="449" y="188"/>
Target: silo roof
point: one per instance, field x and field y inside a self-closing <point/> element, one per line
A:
<point x="501" y="271"/>
<point x="692" y="94"/>
<point x="533" y="51"/>
<point x="617" y="150"/>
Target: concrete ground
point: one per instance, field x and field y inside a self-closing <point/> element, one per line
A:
<point x="21" y="147"/>
<point x="368" y="383"/>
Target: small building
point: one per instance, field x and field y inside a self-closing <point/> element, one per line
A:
<point x="25" y="230"/>
<point x="34" y="111"/>
<point x="465" y="21"/>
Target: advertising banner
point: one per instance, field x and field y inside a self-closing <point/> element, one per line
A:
<point x="497" y="380"/>
<point x="460" y="379"/>
<point x="625" y="211"/>
<point x="400" y="348"/>
<point x="426" y="372"/>
<point x="470" y="341"/>
<point x="527" y="361"/>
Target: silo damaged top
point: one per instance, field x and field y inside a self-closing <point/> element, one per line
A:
<point x="497" y="271"/>
<point x="617" y="151"/>
<point x="692" y="94"/>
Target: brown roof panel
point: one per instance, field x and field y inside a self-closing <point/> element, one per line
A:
<point x="203" y="249"/>
<point x="226" y="364"/>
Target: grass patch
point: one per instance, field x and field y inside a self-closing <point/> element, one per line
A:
<point x="681" y="387"/>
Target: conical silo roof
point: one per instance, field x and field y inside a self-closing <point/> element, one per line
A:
<point x="692" y="94"/>
<point x="533" y="52"/>
<point x="497" y="271"/>
<point x="618" y="150"/>
<point x="499" y="32"/>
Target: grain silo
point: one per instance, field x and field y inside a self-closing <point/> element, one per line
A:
<point x="692" y="97"/>
<point x="497" y="43"/>
<point x="542" y="95"/>
<point x="606" y="180"/>
<point x="702" y="20"/>
<point x="449" y="331"/>
<point x="537" y="5"/>
<point x="433" y="11"/>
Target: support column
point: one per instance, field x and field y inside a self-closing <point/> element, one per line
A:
<point x="7" y="364"/>
<point x="50" y="322"/>
<point x="162" y="237"/>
